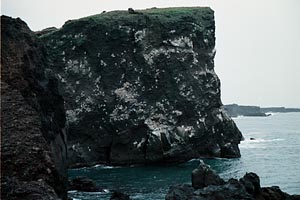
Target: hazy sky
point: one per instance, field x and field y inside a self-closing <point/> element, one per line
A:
<point x="258" y="41"/>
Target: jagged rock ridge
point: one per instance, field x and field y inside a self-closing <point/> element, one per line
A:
<point x="33" y="135"/>
<point x="207" y="185"/>
<point x="140" y="87"/>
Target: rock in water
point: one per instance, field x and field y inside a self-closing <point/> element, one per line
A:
<point x="142" y="88"/>
<point x="119" y="196"/>
<point x="84" y="184"/>
<point x="203" y="176"/>
<point x="33" y="137"/>
<point x="212" y="187"/>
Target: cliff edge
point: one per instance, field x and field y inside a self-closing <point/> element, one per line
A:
<point x="140" y="87"/>
<point x="33" y="135"/>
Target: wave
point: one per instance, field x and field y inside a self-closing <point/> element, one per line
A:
<point x="102" y="166"/>
<point x="271" y="113"/>
<point x="194" y="160"/>
<point x="261" y="140"/>
<point x="105" y="191"/>
<point x="258" y="143"/>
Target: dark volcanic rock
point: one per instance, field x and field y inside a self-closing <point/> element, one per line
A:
<point x="251" y="183"/>
<point x="33" y="137"/>
<point x="180" y="192"/>
<point x="119" y="196"/>
<point x="247" y="188"/>
<point x="204" y="176"/>
<point x="84" y="184"/>
<point x="141" y="88"/>
<point x="45" y="31"/>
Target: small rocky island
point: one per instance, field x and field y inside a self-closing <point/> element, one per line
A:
<point x="140" y="87"/>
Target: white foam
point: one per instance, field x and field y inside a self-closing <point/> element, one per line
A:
<point x="72" y="191"/>
<point x="270" y="113"/>
<point x="257" y="143"/>
<point x="104" y="166"/>
<point x="194" y="159"/>
<point x="261" y="140"/>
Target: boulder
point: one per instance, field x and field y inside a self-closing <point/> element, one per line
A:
<point x="84" y="184"/>
<point x="251" y="183"/>
<point x="203" y="176"/>
<point x="119" y="196"/>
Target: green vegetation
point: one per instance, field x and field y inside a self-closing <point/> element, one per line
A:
<point x="165" y="15"/>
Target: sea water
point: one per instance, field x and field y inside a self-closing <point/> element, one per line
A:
<point x="273" y="153"/>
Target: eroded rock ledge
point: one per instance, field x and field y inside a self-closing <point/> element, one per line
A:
<point x="140" y="87"/>
<point x="207" y="185"/>
<point x="33" y="137"/>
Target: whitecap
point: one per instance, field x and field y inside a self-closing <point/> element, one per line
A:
<point x="102" y="166"/>
<point x="106" y="191"/>
<point x="194" y="160"/>
<point x="270" y="113"/>
<point x="72" y="191"/>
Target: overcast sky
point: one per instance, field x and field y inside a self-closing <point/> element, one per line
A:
<point x="258" y="42"/>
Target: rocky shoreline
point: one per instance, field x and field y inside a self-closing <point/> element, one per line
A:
<point x="206" y="184"/>
<point x="117" y="88"/>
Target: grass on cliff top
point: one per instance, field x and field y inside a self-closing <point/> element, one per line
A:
<point x="162" y="14"/>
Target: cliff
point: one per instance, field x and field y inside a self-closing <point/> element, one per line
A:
<point x="33" y="136"/>
<point x="207" y="185"/>
<point x="140" y="87"/>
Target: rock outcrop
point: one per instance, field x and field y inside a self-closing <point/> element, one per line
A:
<point x="84" y="184"/>
<point x="141" y="88"/>
<point x="119" y="196"/>
<point x="247" y="188"/>
<point x="204" y="176"/>
<point x="33" y="137"/>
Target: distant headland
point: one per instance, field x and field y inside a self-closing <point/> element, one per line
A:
<point x="234" y="110"/>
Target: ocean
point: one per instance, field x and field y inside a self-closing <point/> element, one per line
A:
<point x="274" y="155"/>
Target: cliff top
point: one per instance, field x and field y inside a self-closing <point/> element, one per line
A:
<point x="164" y="14"/>
<point x="202" y="16"/>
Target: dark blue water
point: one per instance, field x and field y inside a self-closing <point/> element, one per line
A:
<point x="274" y="155"/>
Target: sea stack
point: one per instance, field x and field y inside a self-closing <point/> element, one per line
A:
<point x="141" y="88"/>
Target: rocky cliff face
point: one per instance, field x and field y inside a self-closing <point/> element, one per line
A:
<point x="140" y="87"/>
<point x="33" y="137"/>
